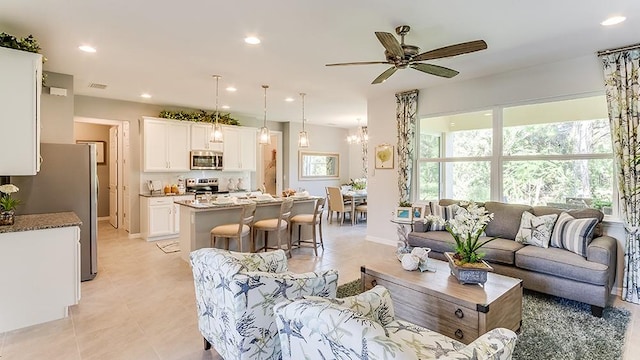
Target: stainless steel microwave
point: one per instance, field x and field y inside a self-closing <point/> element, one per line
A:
<point x="206" y="160"/>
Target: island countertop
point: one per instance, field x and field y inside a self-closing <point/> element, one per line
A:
<point x="42" y="221"/>
<point x="199" y="204"/>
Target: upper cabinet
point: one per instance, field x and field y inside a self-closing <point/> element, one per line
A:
<point x="200" y="135"/>
<point x="20" y="89"/>
<point x="239" y="148"/>
<point x="166" y="145"/>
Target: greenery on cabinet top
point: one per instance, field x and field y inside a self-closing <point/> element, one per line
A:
<point x="28" y="43"/>
<point x="199" y="116"/>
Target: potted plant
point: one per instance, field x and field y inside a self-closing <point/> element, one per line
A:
<point x="8" y="204"/>
<point x="466" y="227"/>
<point x="359" y="185"/>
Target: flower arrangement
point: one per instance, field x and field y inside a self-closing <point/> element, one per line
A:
<point x="7" y="203"/>
<point x="358" y="184"/>
<point x="467" y="225"/>
<point x="199" y="116"/>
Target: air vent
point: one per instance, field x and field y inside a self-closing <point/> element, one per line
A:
<point x="98" y="86"/>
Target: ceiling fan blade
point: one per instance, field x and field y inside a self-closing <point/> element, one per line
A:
<point x="359" y="63"/>
<point x="385" y="75"/>
<point x="435" y="70"/>
<point x="390" y="43"/>
<point x="452" y="50"/>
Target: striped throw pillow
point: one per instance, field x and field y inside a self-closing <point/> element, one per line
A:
<point x="444" y="212"/>
<point x="573" y="234"/>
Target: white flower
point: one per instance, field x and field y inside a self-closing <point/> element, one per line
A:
<point x="8" y="188"/>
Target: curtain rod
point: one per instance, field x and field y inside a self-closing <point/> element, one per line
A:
<point x="623" y="48"/>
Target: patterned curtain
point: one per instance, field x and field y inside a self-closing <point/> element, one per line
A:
<point x="365" y="143"/>
<point x="623" y="94"/>
<point x="406" y="113"/>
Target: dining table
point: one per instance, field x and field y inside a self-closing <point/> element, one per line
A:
<point x="356" y="197"/>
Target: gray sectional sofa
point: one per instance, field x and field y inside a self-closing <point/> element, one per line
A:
<point x="550" y="270"/>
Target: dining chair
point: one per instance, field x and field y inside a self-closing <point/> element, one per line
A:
<point x="314" y="221"/>
<point x="361" y="210"/>
<point x="278" y="225"/>
<point x="238" y="230"/>
<point x="336" y="204"/>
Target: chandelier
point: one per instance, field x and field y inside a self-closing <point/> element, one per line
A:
<point x="360" y="137"/>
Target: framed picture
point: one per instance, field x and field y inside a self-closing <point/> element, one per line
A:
<point x="384" y="156"/>
<point x="404" y="213"/>
<point x="100" y="145"/>
<point x="418" y="212"/>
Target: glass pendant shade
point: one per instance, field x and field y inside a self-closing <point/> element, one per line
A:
<point x="216" y="133"/>
<point x="303" y="137"/>
<point x="264" y="138"/>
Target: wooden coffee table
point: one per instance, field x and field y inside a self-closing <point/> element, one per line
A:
<point x="436" y="301"/>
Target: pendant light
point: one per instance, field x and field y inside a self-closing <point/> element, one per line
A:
<point x="361" y="136"/>
<point x="216" y="134"/>
<point x="265" y="137"/>
<point x="303" y="137"/>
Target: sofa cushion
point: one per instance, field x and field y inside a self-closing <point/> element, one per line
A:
<point x="576" y="213"/>
<point x="499" y="250"/>
<point x="506" y="219"/>
<point x="536" y="230"/>
<point x="561" y="263"/>
<point x="573" y="234"/>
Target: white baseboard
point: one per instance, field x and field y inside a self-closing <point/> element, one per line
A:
<point x="135" y="236"/>
<point x="381" y="240"/>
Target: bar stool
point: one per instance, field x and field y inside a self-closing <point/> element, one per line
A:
<point x="238" y="230"/>
<point x="315" y="221"/>
<point x="278" y="225"/>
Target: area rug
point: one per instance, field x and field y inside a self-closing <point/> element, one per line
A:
<point x="555" y="328"/>
<point x="169" y="246"/>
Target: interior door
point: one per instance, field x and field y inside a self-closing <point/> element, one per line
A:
<point x="113" y="176"/>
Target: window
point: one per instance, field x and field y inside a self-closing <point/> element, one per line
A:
<point x="554" y="153"/>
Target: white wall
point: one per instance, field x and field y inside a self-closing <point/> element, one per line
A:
<point x="321" y="139"/>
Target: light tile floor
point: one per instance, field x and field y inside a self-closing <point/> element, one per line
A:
<point x="141" y="305"/>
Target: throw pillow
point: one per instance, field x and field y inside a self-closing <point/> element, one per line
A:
<point x="444" y="212"/>
<point x="573" y="234"/>
<point x="536" y="230"/>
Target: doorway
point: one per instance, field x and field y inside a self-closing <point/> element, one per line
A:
<point x="269" y="174"/>
<point x="113" y="197"/>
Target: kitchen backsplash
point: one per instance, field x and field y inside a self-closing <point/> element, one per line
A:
<point x="248" y="178"/>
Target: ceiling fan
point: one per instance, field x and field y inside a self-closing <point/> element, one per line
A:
<point x="402" y="55"/>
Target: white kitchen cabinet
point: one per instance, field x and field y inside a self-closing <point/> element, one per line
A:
<point x="239" y="149"/>
<point x="200" y="136"/>
<point x="166" y="145"/>
<point x="160" y="217"/>
<point x="20" y="89"/>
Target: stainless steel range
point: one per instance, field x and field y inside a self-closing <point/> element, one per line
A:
<point x="204" y="186"/>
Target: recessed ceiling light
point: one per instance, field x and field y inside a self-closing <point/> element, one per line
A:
<point x="613" y="20"/>
<point x="145" y="95"/>
<point x="252" y="40"/>
<point x="231" y="89"/>
<point x="87" y="48"/>
<point x="226" y="107"/>
<point x="289" y="99"/>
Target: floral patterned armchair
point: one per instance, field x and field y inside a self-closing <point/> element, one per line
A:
<point x="364" y="327"/>
<point x="235" y="295"/>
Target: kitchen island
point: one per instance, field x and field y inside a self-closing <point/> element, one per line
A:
<point x="39" y="269"/>
<point x="198" y="218"/>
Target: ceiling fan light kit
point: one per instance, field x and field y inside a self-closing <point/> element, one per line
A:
<point x="264" y="137"/>
<point x="401" y="55"/>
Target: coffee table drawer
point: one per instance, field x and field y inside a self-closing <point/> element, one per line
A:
<point x="428" y="311"/>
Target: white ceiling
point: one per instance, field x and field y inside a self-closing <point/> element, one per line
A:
<point x="170" y="49"/>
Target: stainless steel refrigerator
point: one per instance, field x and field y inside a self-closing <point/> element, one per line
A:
<point x="67" y="181"/>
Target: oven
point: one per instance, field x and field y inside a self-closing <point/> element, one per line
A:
<point x="205" y="160"/>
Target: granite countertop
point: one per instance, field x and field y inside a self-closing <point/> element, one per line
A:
<point x="161" y="194"/>
<point x="42" y="221"/>
<point x="213" y="205"/>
